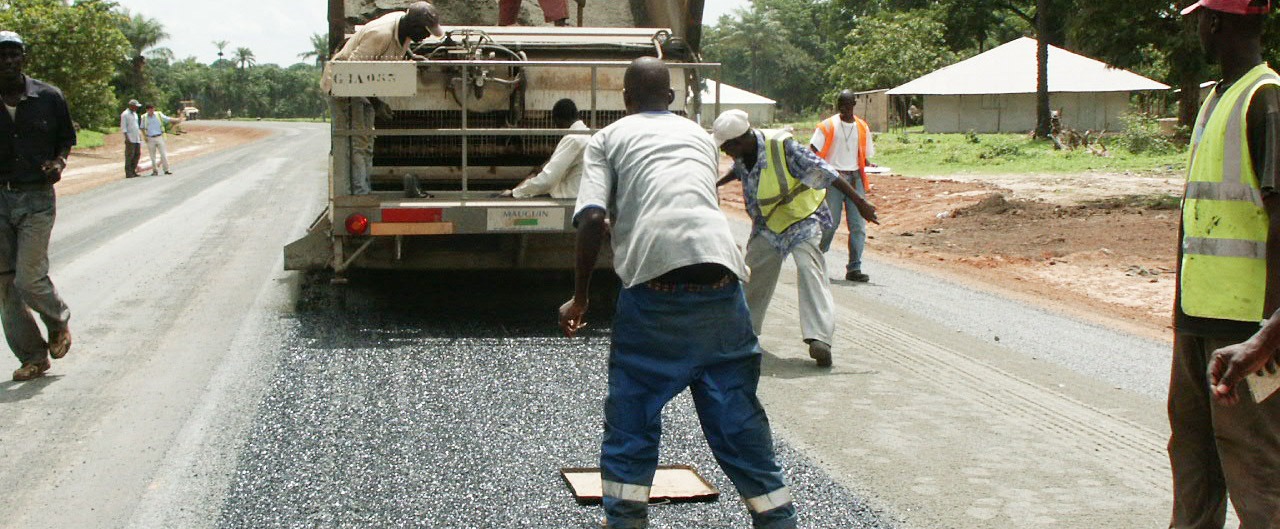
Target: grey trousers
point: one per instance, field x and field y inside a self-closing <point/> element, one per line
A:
<point x="26" y="220"/>
<point x="357" y="114"/>
<point x="1216" y="451"/>
<point x="817" y="308"/>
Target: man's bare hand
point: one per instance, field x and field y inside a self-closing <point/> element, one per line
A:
<point x="52" y="169"/>
<point x="572" y="317"/>
<point x="1229" y="365"/>
<point x="868" y="211"/>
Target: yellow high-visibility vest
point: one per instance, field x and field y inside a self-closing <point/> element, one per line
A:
<point x="1224" y="222"/>
<point x="783" y="199"/>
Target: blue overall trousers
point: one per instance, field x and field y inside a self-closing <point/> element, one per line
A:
<point x="698" y="337"/>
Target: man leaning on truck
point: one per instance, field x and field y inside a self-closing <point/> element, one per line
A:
<point x="385" y="38"/>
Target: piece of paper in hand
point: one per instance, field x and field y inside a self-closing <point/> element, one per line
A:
<point x="1263" y="386"/>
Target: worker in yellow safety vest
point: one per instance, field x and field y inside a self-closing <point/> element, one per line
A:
<point x="844" y="141"/>
<point x="1224" y="443"/>
<point x="784" y="188"/>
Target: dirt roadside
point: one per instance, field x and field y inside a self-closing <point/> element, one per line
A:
<point x="90" y="168"/>
<point x="1098" y="246"/>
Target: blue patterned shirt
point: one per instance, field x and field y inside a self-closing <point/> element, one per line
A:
<point x="804" y="166"/>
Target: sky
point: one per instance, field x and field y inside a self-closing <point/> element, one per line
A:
<point x="276" y="30"/>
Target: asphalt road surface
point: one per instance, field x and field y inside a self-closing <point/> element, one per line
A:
<point x="209" y="388"/>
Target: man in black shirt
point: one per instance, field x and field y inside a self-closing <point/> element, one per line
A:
<point x="36" y="136"/>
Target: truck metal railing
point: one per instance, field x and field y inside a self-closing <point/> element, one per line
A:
<point x="465" y="132"/>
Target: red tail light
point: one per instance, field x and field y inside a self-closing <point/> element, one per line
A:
<point x="357" y="224"/>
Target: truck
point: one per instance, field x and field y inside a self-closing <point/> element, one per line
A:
<point x="474" y="118"/>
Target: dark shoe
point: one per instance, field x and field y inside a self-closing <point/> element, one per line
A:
<point x="155" y="173"/>
<point x="412" y="189"/>
<point x="820" y="351"/>
<point x="857" y="276"/>
<point x="168" y="172"/>
<point x="30" y="370"/>
<point x="59" y="343"/>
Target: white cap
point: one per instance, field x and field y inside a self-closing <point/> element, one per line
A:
<point x="731" y="124"/>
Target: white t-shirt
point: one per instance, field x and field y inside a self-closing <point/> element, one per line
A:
<point x="661" y="169"/>
<point x="844" y="152"/>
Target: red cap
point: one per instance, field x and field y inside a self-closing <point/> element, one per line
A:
<point x="1235" y="7"/>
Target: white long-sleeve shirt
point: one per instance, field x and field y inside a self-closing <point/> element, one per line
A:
<point x="562" y="174"/>
<point x="129" y="126"/>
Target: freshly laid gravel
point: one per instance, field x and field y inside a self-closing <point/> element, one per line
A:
<point x="455" y="407"/>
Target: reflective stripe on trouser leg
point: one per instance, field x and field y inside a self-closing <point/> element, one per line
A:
<point x="768" y="502"/>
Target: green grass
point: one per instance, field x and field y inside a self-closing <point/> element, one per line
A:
<point x="88" y="139"/>
<point x="912" y="152"/>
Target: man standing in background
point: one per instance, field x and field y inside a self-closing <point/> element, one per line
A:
<point x="132" y="138"/>
<point x="844" y="141"/>
<point x="36" y="136"/>
<point x="153" y="126"/>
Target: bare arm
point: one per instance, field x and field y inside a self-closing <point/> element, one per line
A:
<point x="591" y="232"/>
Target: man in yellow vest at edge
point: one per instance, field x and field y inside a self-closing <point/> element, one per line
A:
<point x="1228" y="280"/>
<point x="784" y="189"/>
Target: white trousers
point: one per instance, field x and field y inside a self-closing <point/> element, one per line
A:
<point x="157" y="143"/>
<point x="817" y="308"/>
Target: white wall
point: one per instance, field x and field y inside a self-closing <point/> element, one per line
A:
<point x="761" y="115"/>
<point x="1015" y="113"/>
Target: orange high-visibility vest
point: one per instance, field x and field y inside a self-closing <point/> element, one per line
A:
<point x="828" y="128"/>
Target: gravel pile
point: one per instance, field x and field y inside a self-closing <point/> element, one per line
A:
<point x="421" y="406"/>
<point x="611" y="13"/>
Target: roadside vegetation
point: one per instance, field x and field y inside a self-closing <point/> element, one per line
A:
<point x="913" y="152"/>
<point x="920" y="154"/>
<point x="88" y="139"/>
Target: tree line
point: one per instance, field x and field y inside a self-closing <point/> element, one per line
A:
<point x="801" y="52"/>
<point x="101" y="56"/>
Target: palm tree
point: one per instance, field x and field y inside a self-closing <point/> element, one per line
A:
<point x="747" y="33"/>
<point x="245" y="58"/>
<point x="142" y="33"/>
<point x="319" y="49"/>
<point x="222" y="45"/>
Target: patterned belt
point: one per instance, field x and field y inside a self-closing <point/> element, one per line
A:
<point x="663" y="286"/>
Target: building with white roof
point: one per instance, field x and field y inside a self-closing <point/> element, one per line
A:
<point x="759" y="108"/>
<point x="996" y="91"/>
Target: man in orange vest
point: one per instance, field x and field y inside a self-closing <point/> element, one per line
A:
<point x="844" y="141"/>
